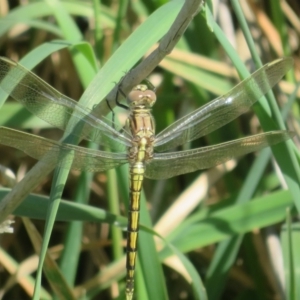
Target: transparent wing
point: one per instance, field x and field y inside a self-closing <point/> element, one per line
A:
<point x="59" y="154"/>
<point x="224" y="109"/>
<point x="167" y="165"/>
<point x="55" y="108"/>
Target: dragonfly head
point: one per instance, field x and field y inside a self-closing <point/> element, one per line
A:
<point x="141" y="97"/>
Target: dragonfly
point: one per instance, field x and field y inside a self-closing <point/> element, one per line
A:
<point x="137" y="144"/>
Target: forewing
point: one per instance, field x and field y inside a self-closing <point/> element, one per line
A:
<point x="55" y="108"/>
<point x="59" y="154"/>
<point x="224" y="109"/>
<point x="167" y="165"/>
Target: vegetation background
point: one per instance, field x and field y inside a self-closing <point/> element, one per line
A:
<point x="223" y="229"/>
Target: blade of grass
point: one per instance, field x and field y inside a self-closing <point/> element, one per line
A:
<point x="55" y="197"/>
<point x="34" y="10"/>
<point x="114" y="208"/>
<point x="149" y="260"/>
<point x="201" y="78"/>
<point x="226" y="252"/>
<point x="72" y="243"/>
<point x="290" y="238"/>
<point x="203" y="229"/>
<point x="52" y="272"/>
<point x="68" y="211"/>
<point x="123" y="6"/>
<point x="278" y="18"/>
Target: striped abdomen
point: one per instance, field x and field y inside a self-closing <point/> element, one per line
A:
<point x="136" y="180"/>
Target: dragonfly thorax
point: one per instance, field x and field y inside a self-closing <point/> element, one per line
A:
<point x="141" y="124"/>
<point x="141" y="97"/>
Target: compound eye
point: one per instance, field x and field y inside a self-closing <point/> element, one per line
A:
<point x="150" y="95"/>
<point x="134" y="96"/>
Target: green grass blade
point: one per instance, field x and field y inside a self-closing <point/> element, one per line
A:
<point x="290" y="239"/>
<point x="223" y="223"/>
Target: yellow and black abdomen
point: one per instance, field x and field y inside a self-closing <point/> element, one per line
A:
<point x="136" y="176"/>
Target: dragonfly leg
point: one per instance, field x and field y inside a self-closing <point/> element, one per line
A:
<point x="150" y="85"/>
<point x="118" y="104"/>
<point x="120" y="91"/>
